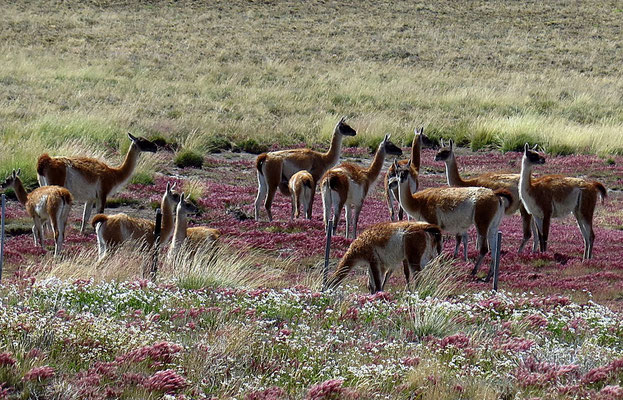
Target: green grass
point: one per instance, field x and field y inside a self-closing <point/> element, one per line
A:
<point x="209" y="75"/>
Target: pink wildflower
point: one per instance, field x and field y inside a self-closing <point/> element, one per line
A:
<point x="272" y="393"/>
<point x="39" y="373"/>
<point x="329" y="390"/>
<point x="7" y="359"/>
<point x="167" y="381"/>
<point x="611" y="392"/>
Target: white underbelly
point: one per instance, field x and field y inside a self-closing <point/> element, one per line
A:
<point x="356" y="193"/>
<point x="564" y="208"/>
<point x="392" y="253"/>
<point x="41" y="209"/>
<point x="80" y="188"/>
<point x="457" y="220"/>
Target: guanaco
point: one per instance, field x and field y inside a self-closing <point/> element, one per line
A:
<point x="391" y="191"/>
<point x="47" y="203"/>
<point x="383" y="246"/>
<point x="275" y="169"/>
<point x="492" y="181"/>
<point x="348" y="185"/>
<point x="112" y="230"/>
<point x="555" y="196"/>
<point x="302" y="188"/>
<point x="456" y="209"/>
<point x="195" y="236"/>
<point x="91" y="180"/>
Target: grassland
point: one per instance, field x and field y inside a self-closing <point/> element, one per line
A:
<point x="486" y="73"/>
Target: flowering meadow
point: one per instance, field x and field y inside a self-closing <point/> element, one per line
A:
<point x="72" y="328"/>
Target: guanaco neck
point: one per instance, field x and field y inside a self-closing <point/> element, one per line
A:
<point x="167" y="219"/>
<point x="452" y="172"/>
<point x="181" y="224"/>
<point x="525" y="179"/>
<point x="374" y="169"/>
<point x="20" y="192"/>
<point x="125" y="170"/>
<point x="332" y="156"/>
<point x="416" y="148"/>
<point x="406" y="199"/>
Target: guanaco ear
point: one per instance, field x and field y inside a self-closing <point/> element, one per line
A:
<point x="535" y="147"/>
<point x="343" y="119"/>
<point x="451" y="144"/>
<point x="526" y="147"/>
<point x="174" y="185"/>
<point x="19" y="171"/>
<point x="132" y="137"/>
<point x="441" y="143"/>
<point x="408" y="164"/>
<point x="396" y="165"/>
<point x="182" y="198"/>
<point x="13" y="174"/>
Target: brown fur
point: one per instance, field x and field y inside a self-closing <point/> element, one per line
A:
<point x="339" y="179"/>
<point x="272" y="174"/>
<point x="56" y="202"/>
<point x="550" y="193"/>
<point x="118" y="228"/>
<point x="298" y="183"/>
<point x="364" y="250"/>
<point x="107" y="180"/>
<point x="492" y="181"/>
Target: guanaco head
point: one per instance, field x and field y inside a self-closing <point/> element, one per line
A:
<point x="532" y="156"/>
<point x="389" y="147"/>
<point x="11" y="179"/>
<point x="344" y="129"/>
<point x="402" y="173"/>
<point x="185" y="206"/>
<point x="170" y="196"/>
<point x="143" y="144"/>
<point x="446" y="152"/>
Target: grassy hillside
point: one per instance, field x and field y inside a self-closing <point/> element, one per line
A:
<point x="487" y="73"/>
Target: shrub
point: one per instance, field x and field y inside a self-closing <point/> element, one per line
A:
<point x="251" y="146"/>
<point x="216" y="144"/>
<point x="142" y="178"/>
<point x="188" y="158"/>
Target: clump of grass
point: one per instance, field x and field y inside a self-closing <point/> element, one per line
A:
<point x="188" y="158"/>
<point x="251" y="146"/>
<point x="216" y="144"/>
<point x="517" y="142"/>
<point x="483" y="138"/>
<point x="214" y="267"/>
<point x="193" y="189"/>
<point x="436" y="279"/>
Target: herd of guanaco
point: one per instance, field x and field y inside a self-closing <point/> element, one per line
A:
<point x="481" y="201"/>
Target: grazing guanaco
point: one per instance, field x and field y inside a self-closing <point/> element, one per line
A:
<point x="275" y="169"/>
<point x="492" y="181"/>
<point x="91" y="180"/>
<point x="383" y="246"/>
<point x="391" y="191"/>
<point x="47" y="203"/>
<point x="302" y="189"/>
<point x="456" y="209"/>
<point x="348" y="184"/>
<point x="196" y="236"/>
<point x="555" y="196"/>
<point x="112" y="230"/>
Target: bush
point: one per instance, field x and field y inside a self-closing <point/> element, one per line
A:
<point x="188" y="158"/>
<point x="517" y="142"/>
<point x="251" y="146"/>
<point x="142" y="178"/>
<point x="216" y="144"/>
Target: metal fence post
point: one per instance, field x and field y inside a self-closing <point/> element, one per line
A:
<point x="2" y="235"/>
<point x="157" y="230"/>
<point x="327" y="249"/>
<point x="496" y="270"/>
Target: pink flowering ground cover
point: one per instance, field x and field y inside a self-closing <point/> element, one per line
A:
<point x="229" y="185"/>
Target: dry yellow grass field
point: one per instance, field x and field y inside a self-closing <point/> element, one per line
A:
<point x="488" y="73"/>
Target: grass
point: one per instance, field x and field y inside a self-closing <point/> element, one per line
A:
<point x="475" y="72"/>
